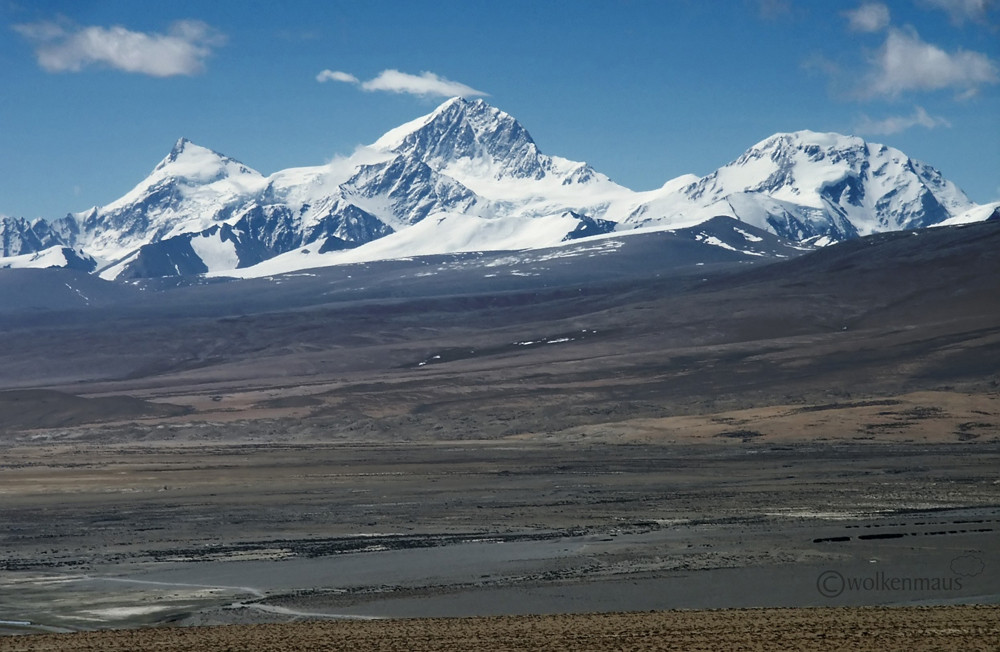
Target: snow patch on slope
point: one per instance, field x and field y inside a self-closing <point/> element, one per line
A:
<point x="442" y="233"/>
<point x="216" y="253"/>
<point x="976" y="214"/>
<point x="57" y="256"/>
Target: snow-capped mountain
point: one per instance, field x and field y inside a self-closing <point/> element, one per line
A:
<point x="18" y="236"/>
<point x="190" y="190"/>
<point x="807" y="185"/>
<point x="424" y="168"/>
<point x="57" y="256"/>
<point x="469" y="177"/>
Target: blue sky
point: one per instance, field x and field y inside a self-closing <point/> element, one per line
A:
<point x="94" y="93"/>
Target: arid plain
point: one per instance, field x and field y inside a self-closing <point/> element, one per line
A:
<point x="568" y="436"/>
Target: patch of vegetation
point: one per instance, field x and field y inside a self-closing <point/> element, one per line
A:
<point x="743" y="435"/>
<point x="965" y="430"/>
<point x="923" y="412"/>
<point x="843" y="406"/>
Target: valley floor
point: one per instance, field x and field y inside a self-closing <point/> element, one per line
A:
<point x="890" y="501"/>
<point x="783" y="436"/>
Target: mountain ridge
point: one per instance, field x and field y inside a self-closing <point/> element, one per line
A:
<point x="478" y="173"/>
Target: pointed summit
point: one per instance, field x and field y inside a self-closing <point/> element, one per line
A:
<point x="394" y="138"/>
<point x="470" y="131"/>
<point x="179" y="146"/>
<point x="188" y="191"/>
<point x="183" y="147"/>
<point x="196" y="164"/>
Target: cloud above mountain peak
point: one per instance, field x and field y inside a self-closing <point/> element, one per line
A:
<point x="426" y="84"/>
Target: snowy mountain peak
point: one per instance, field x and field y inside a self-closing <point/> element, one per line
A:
<point x="803" y="148"/>
<point x="189" y="190"/>
<point x="179" y="147"/>
<point x="469" y="132"/>
<point x="809" y="139"/>
<point x="807" y="184"/>
<point x="450" y="111"/>
<point x="196" y="164"/>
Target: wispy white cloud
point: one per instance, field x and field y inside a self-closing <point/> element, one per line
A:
<point x="961" y="11"/>
<point x="336" y="75"/>
<point x="897" y="123"/>
<point x="64" y="47"/>
<point x="869" y="17"/>
<point x="426" y="84"/>
<point x="907" y="63"/>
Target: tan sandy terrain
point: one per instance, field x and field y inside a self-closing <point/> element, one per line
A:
<point x="920" y="417"/>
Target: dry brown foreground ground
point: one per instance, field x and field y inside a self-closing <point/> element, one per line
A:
<point x="866" y="628"/>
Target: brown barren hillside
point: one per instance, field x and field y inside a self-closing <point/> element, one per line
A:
<point x="417" y="440"/>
